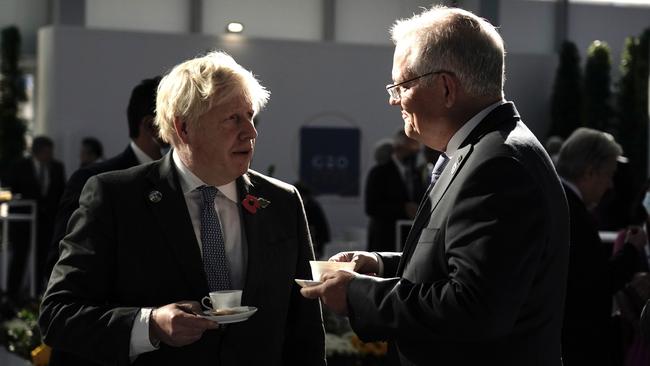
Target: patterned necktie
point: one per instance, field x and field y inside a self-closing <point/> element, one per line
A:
<point x="214" y="251"/>
<point x="443" y="159"/>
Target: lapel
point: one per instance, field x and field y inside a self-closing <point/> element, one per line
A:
<point x="167" y="203"/>
<point x="255" y="251"/>
<point x="431" y="199"/>
<point x="500" y="115"/>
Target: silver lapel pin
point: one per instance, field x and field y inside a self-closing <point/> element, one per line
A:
<point x="456" y="163"/>
<point x="155" y="196"/>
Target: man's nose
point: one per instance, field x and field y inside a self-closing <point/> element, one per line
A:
<point x="249" y="131"/>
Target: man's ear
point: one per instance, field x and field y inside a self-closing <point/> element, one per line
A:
<point x="450" y="85"/>
<point x="181" y="129"/>
<point x="147" y="125"/>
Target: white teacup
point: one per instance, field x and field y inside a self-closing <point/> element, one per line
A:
<point x="226" y="299"/>
<point x="319" y="268"/>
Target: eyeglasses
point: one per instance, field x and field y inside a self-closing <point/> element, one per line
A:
<point x="396" y="93"/>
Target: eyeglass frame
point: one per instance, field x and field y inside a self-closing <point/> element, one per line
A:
<point x="398" y="94"/>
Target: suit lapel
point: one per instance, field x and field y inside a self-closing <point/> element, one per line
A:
<point x="167" y="203"/>
<point x="500" y="115"/>
<point x="255" y="255"/>
<point x="431" y="199"/>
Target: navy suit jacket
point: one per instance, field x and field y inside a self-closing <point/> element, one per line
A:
<point x="482" y="278"/>
<point x="125" y="251"/>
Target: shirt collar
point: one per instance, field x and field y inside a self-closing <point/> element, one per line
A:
<point x="190" y="182"/>
<point x="398" y="163"/>
<point x="37" y="164"/>
<point x="139" y="154"/>
<point x="468" y="127"/>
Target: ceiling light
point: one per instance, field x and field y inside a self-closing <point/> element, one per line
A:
<point x="235" y="27"/>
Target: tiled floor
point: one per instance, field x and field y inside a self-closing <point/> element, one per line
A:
<point x="8" y="359"/>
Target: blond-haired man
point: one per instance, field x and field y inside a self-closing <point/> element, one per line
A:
<point x="149" y="242"/>
<point x="482" y="277"/>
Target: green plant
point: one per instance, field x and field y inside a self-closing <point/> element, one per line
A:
<point x="566" y="99"/>
<point x="21" y="334"/>
<point x="632" y="101"/>
<point x="598" y="111"/>
<point x="12" y="91"/>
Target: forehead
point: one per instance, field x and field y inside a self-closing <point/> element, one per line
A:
<point x="237" y="102"/>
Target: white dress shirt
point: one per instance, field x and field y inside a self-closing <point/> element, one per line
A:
<point x="42" y="170"/>
<point x="227" y="207"/>
<point x="140" y="155"/>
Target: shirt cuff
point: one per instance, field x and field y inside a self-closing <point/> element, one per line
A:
<point x="380" y="271"/>
<point x="140" y="342"/>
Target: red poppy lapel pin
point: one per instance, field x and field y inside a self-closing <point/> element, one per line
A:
<point x="252" y="203"/>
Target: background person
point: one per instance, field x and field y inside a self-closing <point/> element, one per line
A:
<point x="587" y="162"/>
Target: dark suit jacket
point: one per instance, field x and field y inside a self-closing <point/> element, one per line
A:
<point x="385" y="198"/>
<point x="124" y="252"/>
<point x="23" y="181"/>
<point x="482" y="278"/>
<point x="594" y="277"/>
<point x="70" y="199"/>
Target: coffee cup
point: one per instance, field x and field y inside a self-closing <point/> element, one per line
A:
<point x="218" y="300"/>
<point x="319" y="268"/>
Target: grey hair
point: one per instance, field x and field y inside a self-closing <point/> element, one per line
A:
<point x="457" y="41"/>
<point x="193" y="87"/>
<point x="586" y="148"/>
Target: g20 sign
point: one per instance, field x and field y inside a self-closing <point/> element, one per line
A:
<point x="329" y="160"/>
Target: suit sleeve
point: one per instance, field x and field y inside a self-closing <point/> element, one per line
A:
<point x="305" y="336"/>
<point x="494" y="238"/>
<point x="77" y="314"/>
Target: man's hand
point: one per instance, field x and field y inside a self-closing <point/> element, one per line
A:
<point x="637" y="237"/>
<point x="178" y="324"/>
<point x="365" y="263"/>
<point x="333" y="291"/>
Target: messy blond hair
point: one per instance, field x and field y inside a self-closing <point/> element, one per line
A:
<point x="193" y="87"/>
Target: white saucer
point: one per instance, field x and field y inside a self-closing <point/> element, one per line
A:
<point x="244" y="313"/>
<point x="307" y="283"/>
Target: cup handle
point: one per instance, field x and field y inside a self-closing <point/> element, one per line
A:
<point x="207" y="307"/>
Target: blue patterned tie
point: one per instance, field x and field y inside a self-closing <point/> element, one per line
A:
<point x="214" y="251"/>
<point x="443" y="159"/>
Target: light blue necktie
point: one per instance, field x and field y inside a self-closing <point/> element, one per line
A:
<point x="441" y="163"/>
<point x="215" y="263"/>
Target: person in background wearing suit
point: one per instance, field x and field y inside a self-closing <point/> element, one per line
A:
<point x="392" y="192"/>
<point x="147" y="243"/>
<point x="145" y="146"/>
<point x="91" y="151"/>
<point x="39" y="177"/>
<point x="481" y="280"/>
<point x="587" y="162"/>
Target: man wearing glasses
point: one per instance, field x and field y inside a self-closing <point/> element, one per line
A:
<point x="482" y="277"/>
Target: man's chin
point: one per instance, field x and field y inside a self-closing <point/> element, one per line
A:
<point x="410" y="131"/>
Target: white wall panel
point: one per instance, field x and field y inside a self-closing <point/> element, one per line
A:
<point x="528" y="26"/>
<point x="148" y="15"/>
<point x="369" y="21"/>
<point x="285" y="19"/>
